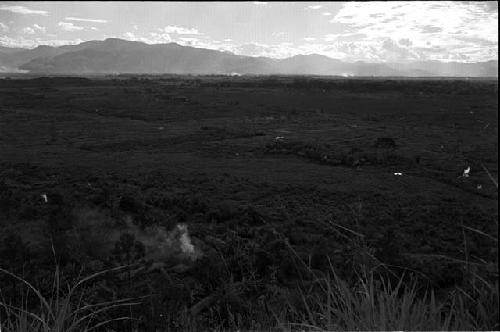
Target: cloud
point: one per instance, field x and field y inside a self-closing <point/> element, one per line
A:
<point x="394" y="52"/>
<point x="339" y="46"/>
<point x="405" y="42"/>
<point x="20" y="41"/>
<point x="260" y="3"/>
<point x="23" y="10"/>
<point x="39" y="28"/>
<point x="152" y="38"/>
<point x="90" y="20"/>
<point x="188" y="41"/>
<point x="430" y="29"/>
<point x="330" y="37"/>
<point x="163" y="37"/>
<point x="313" y="7"/>
<point x="438" y="23"/>
<point x="33" y="29"/>
<point x="66" y="26"/>
<point x="490" y="6"/>
<point x="130" y="36"/>
<point x="4" y="27"/>
<point x="347" y="51"/>
<point x="29" y="31"/>
<point x="350" y="37"/>
<point x="180" y="30"/>
<point x="277" y="51"/>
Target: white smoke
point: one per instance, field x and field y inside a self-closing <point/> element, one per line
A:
<point x="186" y="245"/>
<point x="94" y="231"/>
<point x="163" y="245"/>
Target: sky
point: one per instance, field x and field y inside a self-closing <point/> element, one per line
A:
<point x="390" y="31"/>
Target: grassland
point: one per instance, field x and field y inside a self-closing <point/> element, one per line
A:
<point x="287" y="186"/>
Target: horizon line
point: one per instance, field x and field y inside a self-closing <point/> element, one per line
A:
<point x="250" y="56"/>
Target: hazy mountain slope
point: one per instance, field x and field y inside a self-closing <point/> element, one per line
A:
<point x="10" y="50"/>
<point x="13" y="60"/>
<point x="310" y="64"/>
<point x="118" y="56"/>
<point x="115" y="55"/>
<point x="437" y="68"/>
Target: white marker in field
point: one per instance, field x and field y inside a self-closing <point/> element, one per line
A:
<point x="44" y="197"/>
<point x="398" y="174"/>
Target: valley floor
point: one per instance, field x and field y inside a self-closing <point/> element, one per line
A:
<point x="268" y="173"/>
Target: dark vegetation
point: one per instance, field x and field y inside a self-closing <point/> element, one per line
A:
<point x="288" y="185"/>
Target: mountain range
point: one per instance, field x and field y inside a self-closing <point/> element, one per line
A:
<point x="115" y="56"/>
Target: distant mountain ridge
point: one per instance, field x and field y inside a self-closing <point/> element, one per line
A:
<point x="114" y="56"/>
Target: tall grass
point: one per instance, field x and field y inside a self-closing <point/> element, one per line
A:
<point x="374" y="304"/>
<point x="326" y="303"/>
<point x="65" y="310"/>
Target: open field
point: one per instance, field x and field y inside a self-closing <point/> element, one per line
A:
<point x="268" y="173"/>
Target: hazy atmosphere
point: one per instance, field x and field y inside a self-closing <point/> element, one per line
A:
<point x="351" y="31"/>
